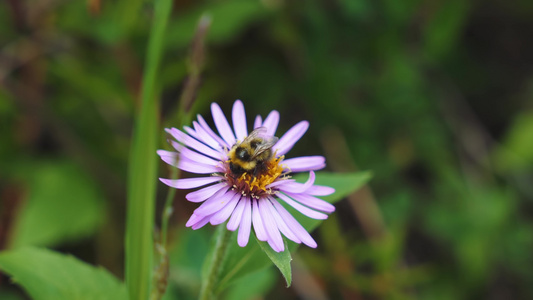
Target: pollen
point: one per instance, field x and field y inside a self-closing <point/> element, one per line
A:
<point x="256" y="186"/>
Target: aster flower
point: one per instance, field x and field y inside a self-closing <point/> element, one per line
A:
<point x="247" y="199"/>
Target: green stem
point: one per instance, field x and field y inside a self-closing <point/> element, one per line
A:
<point x="215" y="265"/>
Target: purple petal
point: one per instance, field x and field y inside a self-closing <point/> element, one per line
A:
<point x="274" y="237"/>
<point x="273" y="245"/>
<point x="190" y="183"/>
<point x="292" y="136"/>
<point x="209" y="131"/>
<point x="223" y="214"/>
<point x="320" y="190"/>
<point x="313" y="214"/>
<point x="280" y="182"/>
<point x="197" y="157"/>
<point x="191" y="132"/>
<point x="201" y="223"/>
<point x="176" y="145"/>
<point x="295" y="227"/>
<point x="166" y="153"/>
<point x="313" y="202"/>
<point x="281" y="224"/>
<point x="188" y="165"/>
<point x="258" y="121"/>
<point x="258" y="223"/>
<point x="246" y="224"/>
<point x="202" y="194"/>
<point x="239" y="120"/>
<point x="205" y="137"/>
<point x="271" y="122"/>
<point x="305" y="163"/>
<point x="295" y="187"/>
<point x="168" y="157"/>
<point x="194" y="144"/>
<point x="193" y="220"/>
<point x="235" y="219"/>
<point x="215" y="203"/>
<point x="222" y="124"/>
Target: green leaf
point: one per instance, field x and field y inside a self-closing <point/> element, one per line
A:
<point x="253" y="286"/>
<point x="63" y="204"/>
<point x="515" y="153"/>
<point x="143" y="164"/>
<point x="47" y="275"/>
<point x="282" y="260"/>
<point x="343" y="183"/>
<point x="445" y="27"/>
<point x="242" y="261"/>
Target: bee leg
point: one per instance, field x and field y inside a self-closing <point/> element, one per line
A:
<point x="258" y="170"/>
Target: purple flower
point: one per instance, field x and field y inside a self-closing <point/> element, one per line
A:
<point x="247" y="197"/>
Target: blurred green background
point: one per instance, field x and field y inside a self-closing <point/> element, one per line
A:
<point x="433" y="96"/>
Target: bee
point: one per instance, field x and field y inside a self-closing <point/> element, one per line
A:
<point x="252" y="154"/>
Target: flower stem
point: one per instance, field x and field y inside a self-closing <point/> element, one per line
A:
<point x="167" y="210"/>
<point x="214" y="263"/>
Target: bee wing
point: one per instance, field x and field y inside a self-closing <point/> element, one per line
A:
<point x="259" y="132"/>
<point x="266" y="145"/>
<point x="267" y="141"/>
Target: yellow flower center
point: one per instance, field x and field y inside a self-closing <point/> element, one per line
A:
<point x="256" y="186"/>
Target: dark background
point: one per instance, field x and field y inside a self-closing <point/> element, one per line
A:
<point x="434" y="97"/>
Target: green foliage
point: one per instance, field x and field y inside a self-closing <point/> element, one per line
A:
<point x="433" y="96"/>
<point x="252" y="286"/>
<point x="515" y="152"/>
<point x="444" y="28"/>
<point x="47" y="275"/>
<point x="229" y="19"/>
<point x="186" y="260"/>
<point x="282" y="260"/>
<point x="60" y="194"/>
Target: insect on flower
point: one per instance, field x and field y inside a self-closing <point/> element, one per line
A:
<point x="245" y="176"/>
<point x="252" y="155"/>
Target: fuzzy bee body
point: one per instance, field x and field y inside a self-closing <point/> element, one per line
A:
<point x="251" y="155"/>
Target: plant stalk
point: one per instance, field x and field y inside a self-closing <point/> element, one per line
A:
<point x="142" y="169"/>
<point x="215" y="265"/>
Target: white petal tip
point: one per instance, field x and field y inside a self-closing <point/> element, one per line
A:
<point x="329" y="209"/>
<point x="242" y="243"/>
<point x="311" y="245"/>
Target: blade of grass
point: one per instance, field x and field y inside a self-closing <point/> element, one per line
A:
<point x="143" y="167"/>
